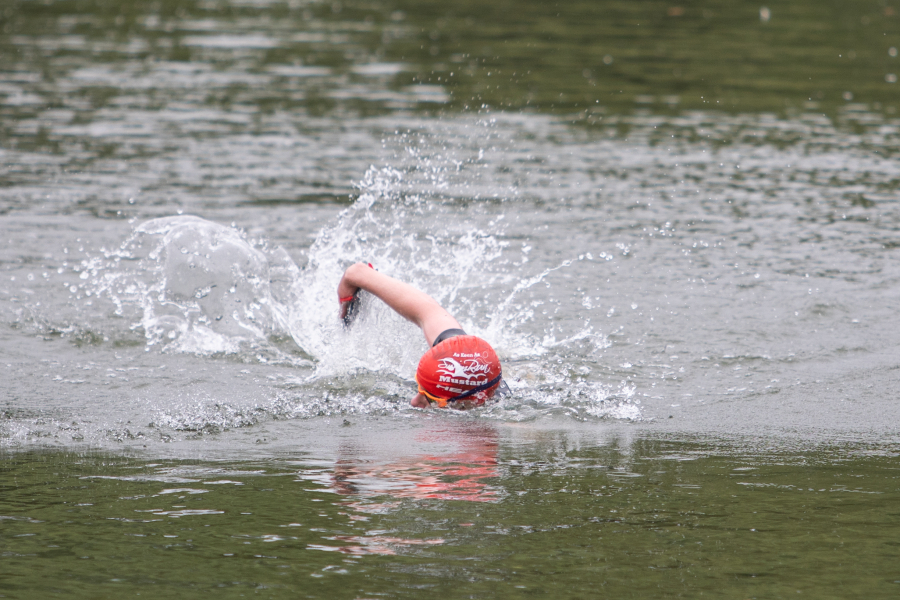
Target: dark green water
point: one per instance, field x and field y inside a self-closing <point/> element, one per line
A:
<point x="582" y="59"/>
<point x="508" y="514"/>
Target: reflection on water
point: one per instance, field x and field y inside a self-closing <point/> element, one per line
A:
<point x="464" y="467"/>
<point x="356" y="545"/>
<point x="461" y="509"/>
<point x="462" y="474"/>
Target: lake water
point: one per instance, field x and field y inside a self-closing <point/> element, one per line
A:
<point x="678" y="226"/>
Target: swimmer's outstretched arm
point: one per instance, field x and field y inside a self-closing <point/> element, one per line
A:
<point x="410" y="303"/>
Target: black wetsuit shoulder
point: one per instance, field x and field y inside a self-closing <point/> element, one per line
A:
<point x="446" y="335"/>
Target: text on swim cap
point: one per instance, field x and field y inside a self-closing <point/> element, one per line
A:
<point x="456" y="372"/>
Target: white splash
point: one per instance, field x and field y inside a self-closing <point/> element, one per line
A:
<point x="194" y="286"/>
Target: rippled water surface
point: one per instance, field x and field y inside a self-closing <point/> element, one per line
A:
<point x="463" y="509"/>
<point x="678" y="226"/>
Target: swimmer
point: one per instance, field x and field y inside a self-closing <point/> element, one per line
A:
<point x="459" y="370"/>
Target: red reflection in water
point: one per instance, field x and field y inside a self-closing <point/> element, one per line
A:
<point x="463" y="473"/>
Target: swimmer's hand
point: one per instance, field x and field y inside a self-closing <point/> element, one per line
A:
<point x="349" y="308"/>
<point x="350" y="300"/>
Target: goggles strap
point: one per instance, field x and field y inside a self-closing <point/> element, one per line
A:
<point x="480" y="388"/>
<point x="442" y="402"/>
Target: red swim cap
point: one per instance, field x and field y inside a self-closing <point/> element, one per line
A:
<point x="463" y="367"/>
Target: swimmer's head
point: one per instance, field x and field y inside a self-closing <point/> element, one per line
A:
<point x="463" y="369"/>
